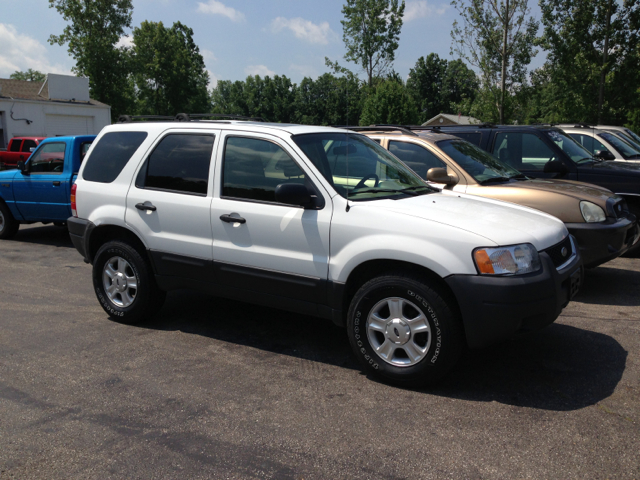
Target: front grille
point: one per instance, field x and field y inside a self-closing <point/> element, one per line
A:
<point x="617" y="207"/>
<point x="561" y="252"/>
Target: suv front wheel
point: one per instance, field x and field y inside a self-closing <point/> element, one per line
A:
<point x="403" y="331"/>
<point x="124" y="283"/>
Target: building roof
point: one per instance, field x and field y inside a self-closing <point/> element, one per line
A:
<point x="460" y="120"/>
<point x="25" y="90"/>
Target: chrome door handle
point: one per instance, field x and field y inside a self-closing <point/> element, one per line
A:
<point x="148" y="208"/>
<point x="230" y="219"/>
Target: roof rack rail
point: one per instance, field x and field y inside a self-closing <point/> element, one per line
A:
<point x="378" y="128"/>
<point x="186" y="117"/>
<point x="438" y="127"/>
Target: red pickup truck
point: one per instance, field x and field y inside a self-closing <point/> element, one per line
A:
<point x="19" y="148"/>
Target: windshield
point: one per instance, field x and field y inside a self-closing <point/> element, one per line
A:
<point x="476" y="162"/>
<point x="629" y="139"/>
<point x="359" y="168"/>
<point x="576" y="152"/>
<point x="633" y="134"/>
<point x="625" y="149"/>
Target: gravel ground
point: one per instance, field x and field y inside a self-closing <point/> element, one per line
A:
<point x="219" y="389"/>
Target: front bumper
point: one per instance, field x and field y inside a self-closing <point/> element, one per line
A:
<point x="80" y="231"/>
<point x="604" y="241"/>
<point x="496" y="308"/>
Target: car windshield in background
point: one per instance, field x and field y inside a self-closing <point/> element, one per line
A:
<point x="359" y="168"/>
<point x="576" y="152"/>
<point x="482" y="166"/>
<point x="633" y="135"/>
<point x="628" y="138"/>
<point x="625" y="149"/>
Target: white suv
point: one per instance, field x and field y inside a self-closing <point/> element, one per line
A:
<point x="319" y="221"/>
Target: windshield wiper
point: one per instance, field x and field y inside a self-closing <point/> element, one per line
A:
<point x="520" y="176"/>
<point x="408" y="191"/>
<point x="495" y="179"/>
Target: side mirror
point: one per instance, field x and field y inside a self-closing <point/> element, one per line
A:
<point x="440" y="175"/>
<point x="555" y="166"/>
<point x="293" y="194"/>
<point x="604" y="155"/>
<point x="22" y="167"/>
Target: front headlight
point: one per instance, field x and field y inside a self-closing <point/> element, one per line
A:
<point x="591" y="212"/>
<point x="513" y="260"/>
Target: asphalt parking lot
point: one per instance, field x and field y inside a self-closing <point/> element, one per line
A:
<point x="219" y="389"/>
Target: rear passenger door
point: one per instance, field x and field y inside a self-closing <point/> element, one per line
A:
<point x="169" y="200"/>
<point x="274" y="249"/>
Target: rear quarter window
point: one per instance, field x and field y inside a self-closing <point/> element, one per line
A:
<point x="110" y="155"/>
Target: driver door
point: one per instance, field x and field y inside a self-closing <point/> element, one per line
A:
<point x="42" y="192"/>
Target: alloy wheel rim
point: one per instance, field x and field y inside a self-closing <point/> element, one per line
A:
<point x="398" y="331"/>
<point x="119" y="282"/>
<point x="2" y="222"/>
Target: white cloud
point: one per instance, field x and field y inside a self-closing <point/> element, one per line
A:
<point x="421" y="9"/>
<point x="21" y="52"/>
<point x="208" y="55"/>
<point x="305" y="30"/>
<point x="213" y="79"/>
<point x="218" y="8"/>
<point x="258" y="70"/>
<point x="125" y="42"/>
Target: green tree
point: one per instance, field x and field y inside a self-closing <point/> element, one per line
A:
<point x="94" y="29"/>
<point x="437" y="85"/>
<point x="29" y="76"/>
<point x="270" y="98"/>
<point x="329" y="100"/>
<point x="593" y="59"/>
<point x="169" y="72"/>
<point x="391" y="103"/>
<point x="371" y="30"/>
<point x="497" y="37"/>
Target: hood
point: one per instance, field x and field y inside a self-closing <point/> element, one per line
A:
<point x="560" y="198"/>
<point x="499" y="222"/>
<point x="617" y="168"/>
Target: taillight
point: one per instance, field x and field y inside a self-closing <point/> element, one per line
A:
<point x="74" y="210"/>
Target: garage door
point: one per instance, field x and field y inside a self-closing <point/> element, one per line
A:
<point x="68" y="125"/>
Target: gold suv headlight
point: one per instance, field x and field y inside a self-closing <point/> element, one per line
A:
<point x="591" y="212"/>
<point x="513" y="260"/>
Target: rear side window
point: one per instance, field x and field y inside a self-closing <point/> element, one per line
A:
<point x="111" y="154"/>
<point x="15" y="145"/>
<point x="470" y="137"/>
<point x="27" y="145"/>
<point x="180" y="163"/>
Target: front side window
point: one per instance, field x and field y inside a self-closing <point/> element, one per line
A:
<point x="626" y="150"/>
<point x="111" y="154"/>
<point x="417" y="158"/>
<point x="27" y="145"/>
<point x="253" y="168"/>
<point x="48" y="159"/>
<point x="522" y="151"/>
<point x="588" y="142"/>
<point x="359" y="168"/>
<point x="476" y="162"/>
<point x="179" y="163"/>
<point x="15" y="145"/>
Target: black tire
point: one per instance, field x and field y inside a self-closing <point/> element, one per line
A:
<point x="8" y="225"/>
<point x="146" y="297"/>
<point x="441" y="346"/>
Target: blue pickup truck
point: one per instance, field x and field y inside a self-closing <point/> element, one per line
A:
<point x="40" y="190"/>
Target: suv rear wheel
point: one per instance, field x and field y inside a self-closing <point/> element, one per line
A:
<point x="8" y="225"/>
<point x="403" y="331"/>
<point x="124" y="283"/>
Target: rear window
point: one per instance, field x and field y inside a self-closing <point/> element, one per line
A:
<point x="111" y="154"/>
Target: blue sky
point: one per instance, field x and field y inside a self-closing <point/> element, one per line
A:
<point x="236" y="37"/>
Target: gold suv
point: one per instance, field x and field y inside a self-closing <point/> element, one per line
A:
<point x="596" y="217"/>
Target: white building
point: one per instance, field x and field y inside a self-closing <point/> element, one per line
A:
<point x="450" y="119"/>
<point x="58" y="106"/>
